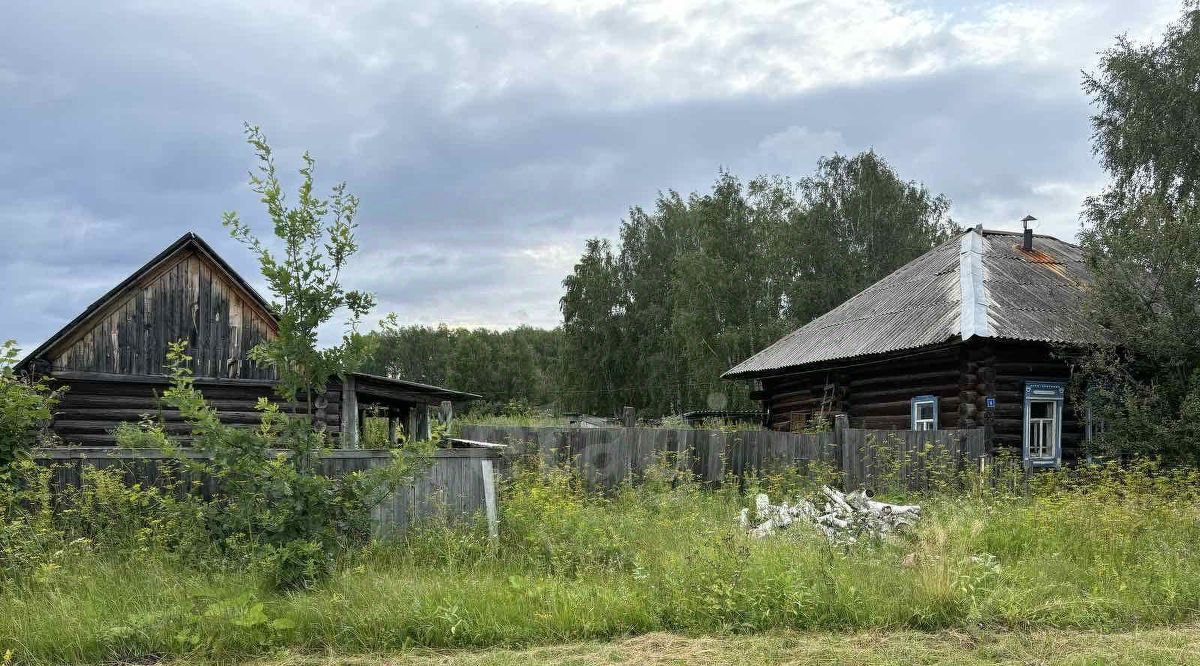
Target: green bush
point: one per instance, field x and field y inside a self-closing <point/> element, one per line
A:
<point x="25" y="405"/>
<point x="273" y="510"/>
<point x="103" y="515"/>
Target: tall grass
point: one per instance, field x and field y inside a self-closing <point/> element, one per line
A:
<point x="536" y="420"/>
<point x="1112" y="551"/>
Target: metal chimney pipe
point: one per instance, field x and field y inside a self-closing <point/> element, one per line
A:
<point x="1027" y="240"/>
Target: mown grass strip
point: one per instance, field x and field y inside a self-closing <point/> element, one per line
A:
<point x="1174" y="645"/>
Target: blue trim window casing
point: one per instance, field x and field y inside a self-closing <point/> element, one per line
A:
<point x="1041" y="440"/>
<point x="924" y="412"/>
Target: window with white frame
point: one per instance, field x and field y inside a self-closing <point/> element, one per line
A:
<point x="1043" y="423"/>
<point x="925" y="412"/>
<point x="1042" y="420"/>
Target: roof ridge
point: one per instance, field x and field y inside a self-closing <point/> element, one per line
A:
<point x="1006" y="232"/>
<point x="972" y="288"/>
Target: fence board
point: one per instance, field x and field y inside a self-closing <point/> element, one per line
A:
<point x="607" y="457"/>
<point x="917" y="459"/>
<point x="449" y="484"/>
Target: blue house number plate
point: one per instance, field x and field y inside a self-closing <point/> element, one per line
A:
<point x="991" y="402"/>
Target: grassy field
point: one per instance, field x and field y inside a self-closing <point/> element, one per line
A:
<point x="1153" y="647"/>
<point x="1115" y="554"/>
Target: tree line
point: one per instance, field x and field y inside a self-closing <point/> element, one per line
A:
<point x="514" y="370"/>
<point x="692" y="286"/>
<point x="696" y="284"/>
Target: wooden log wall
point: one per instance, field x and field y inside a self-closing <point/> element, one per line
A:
<point x="450" y="484"/>
<point x="976" y="383"/>
<point x="878" y="395"/>
<point x="873" y="395"/>
<point x="792" y="401"/>
<point x="1013" y="364"/>
<point x="95" y="404"/>
<point x="189" y="299"/>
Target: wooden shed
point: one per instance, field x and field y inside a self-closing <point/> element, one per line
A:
<point x="111" y="357"/>
<point x="978" y="332"/>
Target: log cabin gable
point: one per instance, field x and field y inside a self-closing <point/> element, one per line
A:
<point x="111" y="357"/>
<point x="185" y="293"/>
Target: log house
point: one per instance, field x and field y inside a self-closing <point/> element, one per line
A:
<point x="111" y="357"/>
<point x="978" y="332"/>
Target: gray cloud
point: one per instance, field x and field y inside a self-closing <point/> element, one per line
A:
<point x="488" y="140"/>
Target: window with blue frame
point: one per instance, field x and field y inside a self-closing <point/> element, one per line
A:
<point x="1042" y="441"/>
<point x="925" y="412"/>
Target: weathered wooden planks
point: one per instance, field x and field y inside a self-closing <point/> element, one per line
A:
<point x="606" y="457"/>
<point x="451" y="484"/>
<point x="911" y="458"/>
<point x="187" y="298"/>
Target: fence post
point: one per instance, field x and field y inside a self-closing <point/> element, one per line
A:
<point x="489" y="497"/>
<point x="629" y="441"/>
<point x="348" y="437"/>
<point x="841" y="423"/>
<point x="446" y="412"/>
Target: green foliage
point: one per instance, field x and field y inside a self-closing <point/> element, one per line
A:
<point x="147" y="433"/>
<point x="534" y="419"/>
<point x="39" y="534"/>
<point x="274" y="510"/>
<point x="693" y="287"/>
<point x="700" y="283"/>
<point x="519" y="364"/>
<point x="25" y="405"/>
<point x="1102" y="548"/>
<point x="859" y="221"/>
<point x="318" y="240"/>
<point x="595" y="353"/>
<point x="1142" y="238"/>
<point x="268" y="508"/>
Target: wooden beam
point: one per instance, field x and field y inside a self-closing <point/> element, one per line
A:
<point x="446" y="411"/>
<point x="349" y="414"/>
<point x="109" y="377"/>
<point x="840" y="425"/>
<point x="489" y="497"/>
<point x="418" y="422"/>
<point x="391" y="417"/>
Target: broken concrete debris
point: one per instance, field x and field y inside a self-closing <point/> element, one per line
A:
<point x="841" y="517"/>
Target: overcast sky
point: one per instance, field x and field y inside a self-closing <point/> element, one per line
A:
<point x="488" y="140"/>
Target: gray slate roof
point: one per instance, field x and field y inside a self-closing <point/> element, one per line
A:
<point x="980" y="283"/>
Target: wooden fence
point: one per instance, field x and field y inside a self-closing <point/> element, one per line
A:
<point x="606" y="457"/>
<point x="454" y="483"/>
<point x="908" y="458"/>
<point x="458" y="483"/>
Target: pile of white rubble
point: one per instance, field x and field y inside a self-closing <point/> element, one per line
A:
<point x="842" y="518"/>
